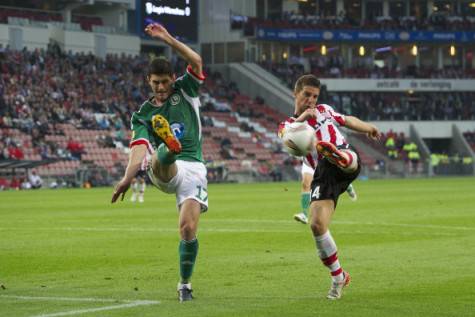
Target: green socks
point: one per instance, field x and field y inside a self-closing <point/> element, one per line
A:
<point x="164" y="156"/>
<point x="188" y="251"/>
<point x="305" y="202"/>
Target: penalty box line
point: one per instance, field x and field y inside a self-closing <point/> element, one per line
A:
<point x="124" y="304"/>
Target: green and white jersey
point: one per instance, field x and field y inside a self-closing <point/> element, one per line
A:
<point x="181" y="110"/>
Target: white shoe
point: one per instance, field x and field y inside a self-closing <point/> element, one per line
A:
<point x="133" y="198"/>
<point x="184" y="292"/>
<point x="352" y="193"/>
<point x="140" y="199"/>
<point x="300" y="217"/>
<point x="337" y="287"/>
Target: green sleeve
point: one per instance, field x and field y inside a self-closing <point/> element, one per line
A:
<point x="190" y="82"/>
<point x="140" y="133"/>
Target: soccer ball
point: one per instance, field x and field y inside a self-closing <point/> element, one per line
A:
<point x="298" y="138"/>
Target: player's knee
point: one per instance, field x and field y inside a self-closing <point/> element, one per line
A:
<point x="318" y="227"/>
<point x="187" y="230"/>
<point x="306" y="187"/>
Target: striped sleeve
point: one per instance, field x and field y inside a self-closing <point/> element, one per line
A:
<point x="282" y="125"/>
<point x="336" y="116"/>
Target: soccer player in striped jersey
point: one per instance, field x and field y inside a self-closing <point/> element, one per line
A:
<point x="167" y="127"/>
<point x="337" y="165"/>
<point x="138" y="187"/>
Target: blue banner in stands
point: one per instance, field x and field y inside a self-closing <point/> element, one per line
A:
<point x="302" y="35"/>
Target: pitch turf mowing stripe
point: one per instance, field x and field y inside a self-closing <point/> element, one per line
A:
<point x="139" y="229"/>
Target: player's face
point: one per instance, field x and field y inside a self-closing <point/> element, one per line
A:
<point x="305" y="98"/>
<point x="162" y="86"/>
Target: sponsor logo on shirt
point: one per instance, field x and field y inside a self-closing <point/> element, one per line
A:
<point x="178" y="129"/>
<point x="175" y="99"/>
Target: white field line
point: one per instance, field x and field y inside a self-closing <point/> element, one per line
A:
<point x="249" y="221"/>
<point x="90" y="310"/>
<point x="67" y="299"/>
<point x="125" y="304"/>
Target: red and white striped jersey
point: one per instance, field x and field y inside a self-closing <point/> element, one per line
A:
<point x="326" y="129"/>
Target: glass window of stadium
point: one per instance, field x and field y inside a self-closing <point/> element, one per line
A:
<point x="274" y="9"/>
<point x="397" y="8"/>
<point x="468" y="8"/>
<point x="443" y="6"/>
<point x="308" y="7"/>
<point x="418" y="9"/>
<point x="373" y="9"/>
<point x="353" y="11"/>
<point x="327" y="8"/>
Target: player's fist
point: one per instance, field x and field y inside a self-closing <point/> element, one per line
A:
<point x="158" y="31"/>
<point x="374" y="133"/>
<point x="311" y="113"/>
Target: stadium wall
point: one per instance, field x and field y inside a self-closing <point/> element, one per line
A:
<point x="74" y="41"/>
<point x="31" y="37"/>
<point x="395" y="84"/>
<point x="427" y="129"/>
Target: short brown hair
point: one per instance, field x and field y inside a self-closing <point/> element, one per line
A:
<point x="160" y="66"/>
<point x="306" y="80"/>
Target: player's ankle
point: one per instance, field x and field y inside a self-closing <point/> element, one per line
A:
<point x="352" y="160"/>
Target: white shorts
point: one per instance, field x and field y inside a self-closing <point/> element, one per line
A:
<point x="189" y="183"/>
<point x="307" y="169"/>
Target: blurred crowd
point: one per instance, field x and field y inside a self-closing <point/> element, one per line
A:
<point x="362" y="67"/>
<point x="437" y="21"/>
<point x="42" y="88"/>
<point x="375" y="106"/>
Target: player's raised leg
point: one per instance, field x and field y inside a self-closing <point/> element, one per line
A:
<point x="163" y="163"/>
<point x="346" y="160"/>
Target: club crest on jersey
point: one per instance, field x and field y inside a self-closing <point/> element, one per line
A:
<point x="175" y="99"/>
<point x="178" y="129"/>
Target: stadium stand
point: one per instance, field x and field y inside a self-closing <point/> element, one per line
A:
<point x="364" y="67"/>
<point x="72" y="110"/>
<point x="301" y="19"/>
<point x="25" y="16"/>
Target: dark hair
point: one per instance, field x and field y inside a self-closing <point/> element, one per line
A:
<point x="160" y="66"/>
<point x="306" y="80"/>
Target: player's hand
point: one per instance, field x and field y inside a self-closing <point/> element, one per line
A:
<point x="120" y="189"/>
<point x="158" y="31"/>
<point x="374" y="133"/>
<point x="310" y="113"/>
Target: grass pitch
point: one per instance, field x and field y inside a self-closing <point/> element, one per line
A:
<point x="408" y="244"/>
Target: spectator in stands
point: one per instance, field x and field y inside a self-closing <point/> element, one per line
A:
<point x="75" y="148"/>
<point x="14" y="152"/>
<point x="15" y="183"/>
<point x="104" y="123"/>
<point x="3" y="151"/>
<point x="35" y="180"/>
<point x="25" y="184"/>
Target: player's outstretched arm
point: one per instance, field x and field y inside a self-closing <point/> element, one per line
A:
<point x="358" y="125"/>
<point x="137" y="154"/>
<point x="194" y="59"/>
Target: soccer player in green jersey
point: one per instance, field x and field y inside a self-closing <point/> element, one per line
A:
<point x="167" y="127"/>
